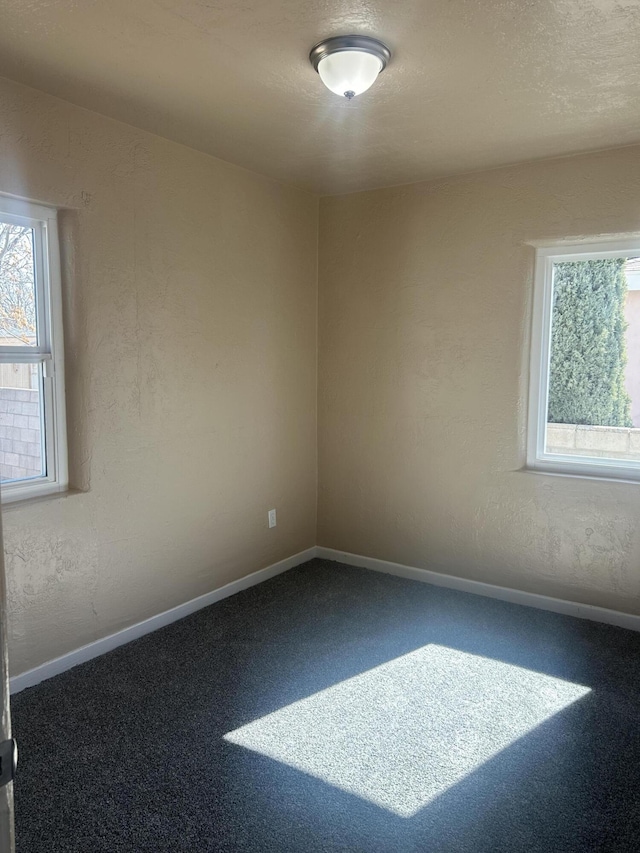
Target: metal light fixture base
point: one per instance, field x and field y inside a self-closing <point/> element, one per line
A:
<point x="336" y="44"/>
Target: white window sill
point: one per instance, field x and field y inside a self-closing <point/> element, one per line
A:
<point x="582" y="475"/>
<point x="16" y="502"/>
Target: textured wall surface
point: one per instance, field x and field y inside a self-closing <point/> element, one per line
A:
<point x="189" y="285"/>
<point x="425" y="300"/>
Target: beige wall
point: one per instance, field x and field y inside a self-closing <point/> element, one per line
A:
<point x="190" y="285"/>
<point x="425" y="300"/>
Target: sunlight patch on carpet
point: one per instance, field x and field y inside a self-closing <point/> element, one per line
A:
<point x="404" y="732"/>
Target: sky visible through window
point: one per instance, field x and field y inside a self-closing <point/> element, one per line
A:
<point x="21" y="454"/>
<point x="17" y="286"/>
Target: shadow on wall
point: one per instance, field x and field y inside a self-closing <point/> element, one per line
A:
<point x="77" y="374"/>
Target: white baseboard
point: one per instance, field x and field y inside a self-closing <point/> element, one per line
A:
<point x="515" y="596"/>
<point x="106" y="644"/>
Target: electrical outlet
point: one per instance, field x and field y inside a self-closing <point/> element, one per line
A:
<point x="272" y="518"/>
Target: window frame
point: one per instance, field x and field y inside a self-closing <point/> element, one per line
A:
<point x="49" y="351"/>
<point x="538" y="459"/>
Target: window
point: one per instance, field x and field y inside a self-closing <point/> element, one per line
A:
<point x="33" y="453"/>
<point x="584" y="404"/>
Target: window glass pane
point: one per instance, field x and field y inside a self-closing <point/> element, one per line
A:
<point x="21" y="428"/>
<point x="17" y="286"/>
<point x="594" y="376"/>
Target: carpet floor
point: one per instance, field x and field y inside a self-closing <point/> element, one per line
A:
<point x="338" y="709"/>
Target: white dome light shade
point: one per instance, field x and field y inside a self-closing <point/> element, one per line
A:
<point x="350" y="72"/>
<point x="349" y="65"/>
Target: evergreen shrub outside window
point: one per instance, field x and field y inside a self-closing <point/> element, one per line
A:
<point x="585" y="361"/>
<point x="588" y="347"/>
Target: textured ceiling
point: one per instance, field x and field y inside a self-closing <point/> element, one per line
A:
<point x="472" y="84"/>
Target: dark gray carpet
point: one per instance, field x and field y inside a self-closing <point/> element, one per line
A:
<point x="448" y="722"/>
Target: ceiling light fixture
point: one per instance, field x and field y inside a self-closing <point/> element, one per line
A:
<point x="349" y="65"/>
